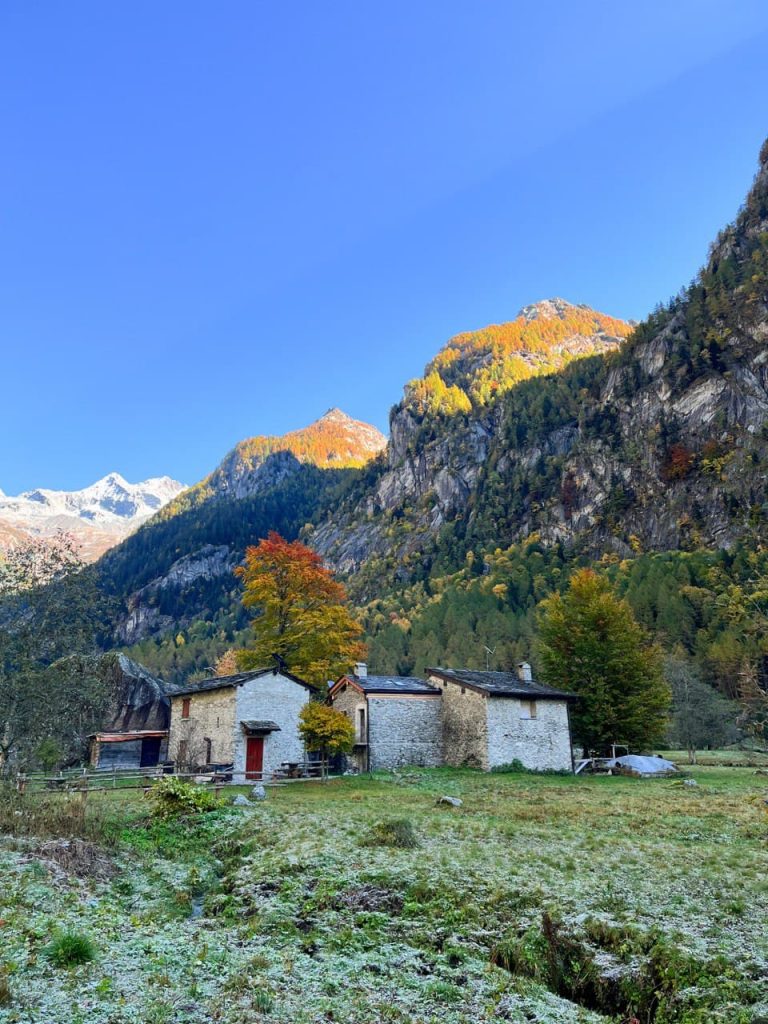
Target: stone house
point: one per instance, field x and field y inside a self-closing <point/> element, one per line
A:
<point x="396" y="718"/>
<point x="493" y="718"/>
<point x="455" y="717"/>
<point x="249" y="720"/>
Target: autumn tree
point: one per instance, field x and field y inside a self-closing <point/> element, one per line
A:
<point x="590" y="644"/>
<point x="325" y="730"/>
<point x="301" y="613"/>
<point x="226" y="663"/>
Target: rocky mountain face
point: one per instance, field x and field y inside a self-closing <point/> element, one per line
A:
<point x="659" y="444"/>
<point x="99" y="516"/>
<point x="450" y="423"/>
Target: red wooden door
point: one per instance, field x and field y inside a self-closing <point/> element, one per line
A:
<point x="254" y="757"/>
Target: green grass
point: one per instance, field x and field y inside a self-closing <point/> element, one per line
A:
<point x="505" y="911"/>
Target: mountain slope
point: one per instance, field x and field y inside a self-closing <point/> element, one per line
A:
<point x="657" y="446"/>
<point x="448" y="426"/>
<point x="99" y="516"/>
<point x="178" y="567"/>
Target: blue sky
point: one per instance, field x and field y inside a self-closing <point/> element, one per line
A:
<point x="219" y="220"/>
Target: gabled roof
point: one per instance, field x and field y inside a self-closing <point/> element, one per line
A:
<point x="500" y="684"/>
<point x="387" y="684"/>
<point x="227" y="682"/>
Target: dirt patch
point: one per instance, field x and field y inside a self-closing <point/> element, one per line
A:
<point x="76" y="857"/>
<point x="369" y="897"/>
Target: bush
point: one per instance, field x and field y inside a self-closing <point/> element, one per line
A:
<point x="67" y="949"/>
<point x="173" y="798"/>
<point x="393" y="832"/>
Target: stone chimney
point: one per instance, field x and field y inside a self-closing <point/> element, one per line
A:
<point x="524" y="673"/>
<point x="361" y="670"/>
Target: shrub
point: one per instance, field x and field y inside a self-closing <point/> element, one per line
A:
<point x="67" y="949"/>
<point x="172" y="798"/>
<point x="393" y="832"/>
<point x="55" y="815"/>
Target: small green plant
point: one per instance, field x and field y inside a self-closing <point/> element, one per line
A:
<point x="173" y="798"/>
<point x="262" y="1002"/>
<point x="394" y="832"/>
<point x="68" y="949"/>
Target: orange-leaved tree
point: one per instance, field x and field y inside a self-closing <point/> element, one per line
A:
<point x="302" y="616"/>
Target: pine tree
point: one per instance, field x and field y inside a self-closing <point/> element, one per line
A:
<point x="591" y="645"/>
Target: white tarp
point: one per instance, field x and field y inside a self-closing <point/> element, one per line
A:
<point x="642" y="765"/>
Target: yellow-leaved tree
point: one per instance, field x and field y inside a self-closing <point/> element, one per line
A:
<point x="301" y="612"/>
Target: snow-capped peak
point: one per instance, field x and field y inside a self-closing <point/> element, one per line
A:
<point x="111" y="506"/>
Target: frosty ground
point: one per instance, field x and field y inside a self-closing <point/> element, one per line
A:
<point x="537" y="900"/>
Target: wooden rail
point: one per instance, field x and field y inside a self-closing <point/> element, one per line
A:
<point x="84" y="781"/>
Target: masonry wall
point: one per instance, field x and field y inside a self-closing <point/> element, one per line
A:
<point x="211" y="716"/>
<point x="465" y="724"/>
<point x="351" y="701"/>
<point x="542" y="742"/>
<point x="275" y="698"/>
<point x="404" y="730"/>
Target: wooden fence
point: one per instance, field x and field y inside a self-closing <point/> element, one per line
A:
<point x="89" y="780"/>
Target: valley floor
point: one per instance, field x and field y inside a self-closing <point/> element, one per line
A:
<point x="280" y="912"/>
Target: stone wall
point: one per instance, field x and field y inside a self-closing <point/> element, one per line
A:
<point x="465" y="724"/>
<point x="271" y="697"/>
<point x="211" y="716"/>
<point x="404" y="730"/>
<point x="542" y="742"/>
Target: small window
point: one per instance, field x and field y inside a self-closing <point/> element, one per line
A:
<point x="208" y="746"/>
<point x="527" y="709"/>
<point x="361" y="725"/>
<point x="185" y="705"/>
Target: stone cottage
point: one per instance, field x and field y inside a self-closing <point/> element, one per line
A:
<point x="455" y="717"/>
<point x="249" y="720"/>
<point x="493" y="718"/>
<point x="396" y="718"/>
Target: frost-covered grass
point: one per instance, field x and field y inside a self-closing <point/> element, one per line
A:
<point x="282" y="912"/>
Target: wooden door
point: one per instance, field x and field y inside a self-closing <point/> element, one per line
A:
<point x="254" y="757"/>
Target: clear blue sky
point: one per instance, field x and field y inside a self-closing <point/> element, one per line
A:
<point x="219" y="219"/>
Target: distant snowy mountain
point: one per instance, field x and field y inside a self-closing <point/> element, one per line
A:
<point x="99" y="516"/>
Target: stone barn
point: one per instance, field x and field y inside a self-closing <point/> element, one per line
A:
<point x="397" y="719"/>
<point x="494" y="718"/>
<point x="249" y="721"/>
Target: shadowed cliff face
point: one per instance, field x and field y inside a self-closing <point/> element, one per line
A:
<point x="657" y="445"/>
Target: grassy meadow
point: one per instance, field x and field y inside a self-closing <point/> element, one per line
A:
<point x="540" y="899"/>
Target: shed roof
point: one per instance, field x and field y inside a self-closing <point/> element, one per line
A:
<point x="500" y="684"/>
<point x="227" y="682"/>
<point x="259" y="725"/>
<point x="388" y="684"/>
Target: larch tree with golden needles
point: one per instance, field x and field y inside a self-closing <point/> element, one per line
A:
<point x="301" y="612"/>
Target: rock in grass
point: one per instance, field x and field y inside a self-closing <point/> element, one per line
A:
<point x="259" y="792"/>
<point x="241" y="801"/>
<point x="690" y="782"/>
<point x="451" y="801"/>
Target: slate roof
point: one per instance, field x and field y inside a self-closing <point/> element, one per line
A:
<point x="259" y="725"/>
<point x="391" y="684"/>
<point x="225" y="682"/>
<point x="500" y="684"/>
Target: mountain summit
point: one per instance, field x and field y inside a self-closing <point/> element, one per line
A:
<point x="99" y="515"/>
<point x="476" y="368"/>
<point x="335" y="441"/>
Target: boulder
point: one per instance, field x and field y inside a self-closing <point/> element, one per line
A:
<point x="259" y="792"/>
<point x="451" y="801"/>
<point x="241" y="801"/>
